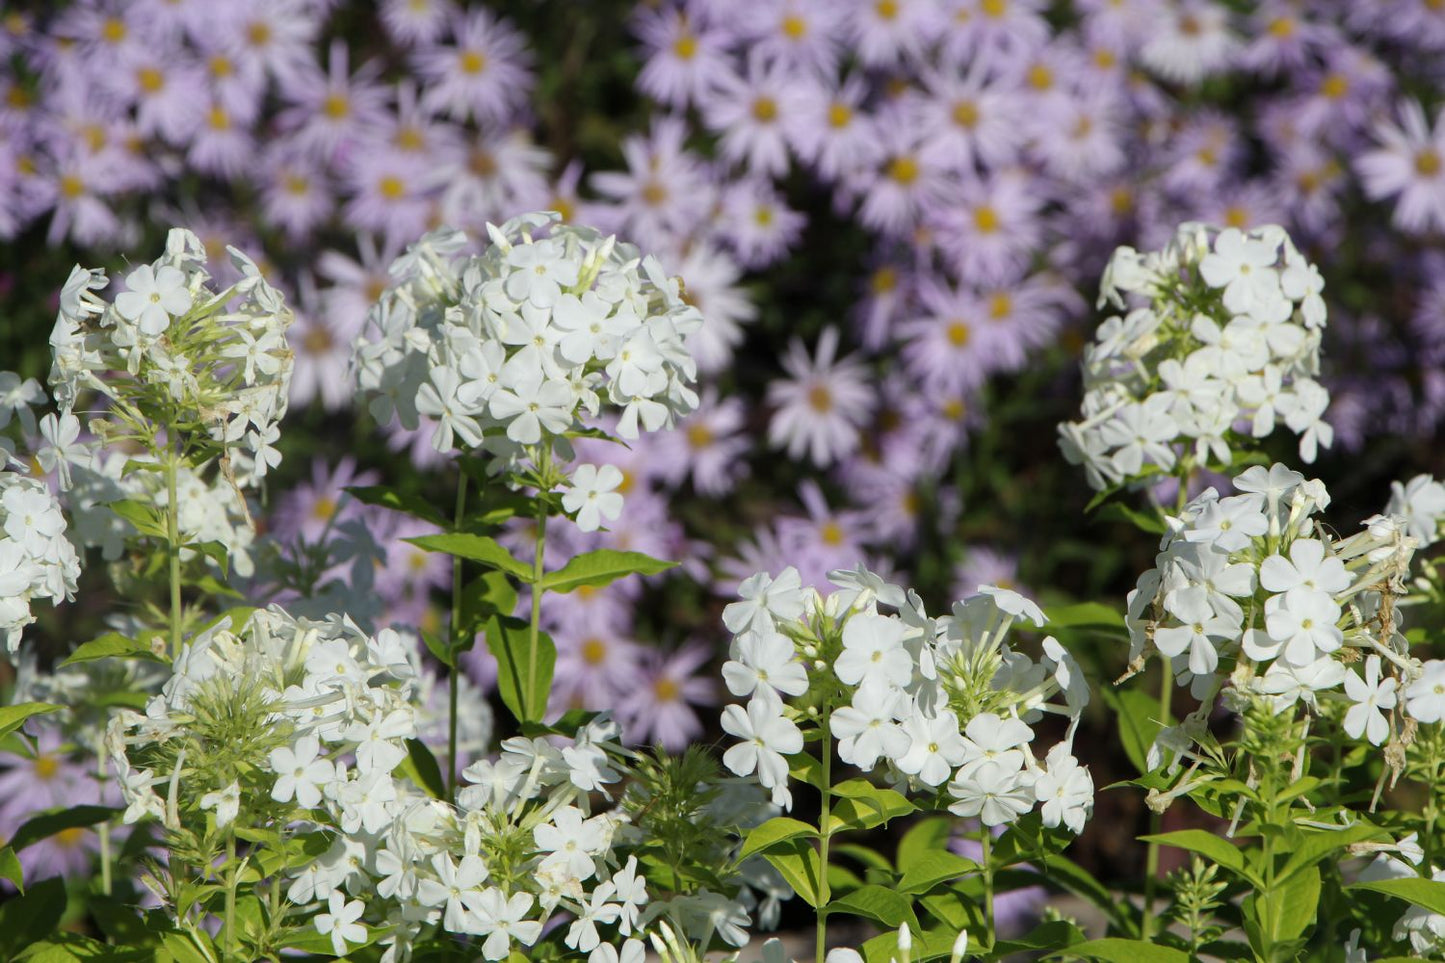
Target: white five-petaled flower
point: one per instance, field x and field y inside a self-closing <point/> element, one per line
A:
<point x="225" y="801"/>
<point x="593" y="495"/>
<point x="299" y="772"/>
<point x="1372" y="698"/>
<point x="155" y="296"/>
<point x="767" y="736"/>
<point x="341" y="922"/>
<point x="764" y="659"/>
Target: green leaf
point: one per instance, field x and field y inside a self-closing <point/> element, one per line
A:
<point x="866" y="855"/>
<point x="877" y="903"/>
<point x="806" y="769"/>
<point x="566" y="725"/>
<point x="777" y="830"/>
<point x="930" y="868"/>
<point x="935" y="944"/>
<point x="438" y="647"/>
<point x="13" y="717"/>
<point x="510" y="641"/>
<point x="410" y="503"/>
<point x="1426" y="893"/>
<point x="1318" y="845"/>
<point x="1046" y="937"/>
<point x="486" y="595"/>
<point x="476" y="548"/>
<point x="422" y="767"/>
<point x="145" y="517"/>
<point x="1084" y="614"/>
<point x="1148" y="522"/>
<point x="800" y="867"/>
<point x="189" y="947"/>
<point x="861" y="805"/>
<point x="32" y="917"/>
<point x="11" y="869"/>
<point x="1287" y="910"/>
<point x="602" y="567"/>
<point x="1079" y="881"/>
<point x="1124" y="951"/>
<point x="49" y="823"/>
<point x="113" y="645"/>
<point x="71" y="947"/>
<point x="1209" y="846"/>
<point x="925" y="836"/>
<point x="215" y="551"/>
<point x="1139" y="722"/>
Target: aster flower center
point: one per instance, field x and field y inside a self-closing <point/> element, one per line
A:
<point x="886" y="9"/>
<point x="958" y="332"/>
<point x="258" y="32"/>
<point x="666" y="689"/>
<point x="904" y="170"/>
<point x="296" y="184"/>
<point x="985" y="219"/>
<point x="795" y="27"/>
<point x="965" y="113"/>
<point x="1105" y="58"/>
<point x="17" y="98"/>
<point x="884" y="279"/>
<point x="70" y="838"/>
<point x="994" y="8"/>
<point x="699" y="436"/>
<point x="150" y="79"/>
<point x="482" y="163"/>
<point x="218" y="118"/>
<point x="324" y="508"/>
<point x="1000" y="305"/>
<point x="765" y="109"/>
<point x="336" y="106"/>
<point x="409" y="137"/>
<point x="72" y="186"/>
<point x="594" y="651"/>
<point x="221" y="66"/>
<point x="1427" y="162"/>
<point x="1281" y="27"/>
<point x="839" y="115"/>
<point x="654" y="193"/>
<point x="317" y="341"/>
<point x="391" y="187"/>
<point x="764" y="216"/>
<point x="831" y="533"/>
<point x="1041" y="77"/>
<point x="954" y="409"/>
<point x="113" y="30"/>
<point x="685" y="47"/>
<point x="46" y="767"/>
<point x="1190" y="26"/>
<point x="472" y="62"/>
<point x="820" y="399"/>
<point x="1236" y="216"/>
<point x="625" y="485"/>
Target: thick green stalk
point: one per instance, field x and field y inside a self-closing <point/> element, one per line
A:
<point x="824" y="816"/>
<point x="986" y="841"/>
<point x="104" y="830"/>
<point x="533" y="630"/>
<point x="173" y="546"/>
<point x="230" y="924"/>
<point x="1156" y="820"/>
<point x="453" y="681"/>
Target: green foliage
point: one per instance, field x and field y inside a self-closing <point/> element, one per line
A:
<point x="601" y="567"/>
<point x="524" y="676"/>
<point x="13" y="717"/>
<point x="476" y="548"/>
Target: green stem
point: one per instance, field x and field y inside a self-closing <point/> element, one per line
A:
<point x="824" y="816"/>
<point x="105" y="855"/>
<point x="453" y="680"/>
<point x="1156" y="820"/>
<point x="534" y="629"/>
<point x="986" y="841"/>
<point x="230" y="931"/>
<point x="173" y="546"/>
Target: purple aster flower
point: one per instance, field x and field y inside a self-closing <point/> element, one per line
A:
<point x="661" y="710"/>
<point x="411" y="573"/>
<point x="1190" y="42"/>
<point x="970" y="118"/>
<point x="490" y="177"/>
<point x="596" y="669"/>
<point x="276" y="35"/>
<point x="326" y="110"/>
<point x="990" y="228"/>
<point x="825" y="539"/>
<point x="990" y="27"/>
<point x="666" y="191"/>
<point x="296" y="194"/>
<point x="416" y="22"/>
<point x="1118" y="25"/>
<point x="236" y="83"/>
<point x="52" y="779"/>
<point x="941" y="346"/>
<point x="830" y="130"/>
<point x="1080" y="138"/>
<point x="686" y="58"/>
<point x="1283" y="38"/>
<point x="823" y="403"/>
<point x="886" y="299"/>
<point x="757" y="224"/>
<point x="322" y="356"/>
<point x="1204" y="153"/>
<point x="77" y="195"/>
<point x="413" y="130"/>
<point x="710" y="284"/>
<point x="310" y="509"/>
<point x="222" y="145"/>
<point x="707" y="445"/>
<point x="802" y="34"/>
<point x="160" y="81"/>
<point x="889" y="32"/>
<point x="907" y="182"/>
<point x="483" y="74"/>
<point x="751" y="112"/>
<point x="389" y="194"/>
<point x="1344" y="96"/>
<point x="1241" y="204"/>
<point x="982" y="565"/>
<point x="1410" y="163"/>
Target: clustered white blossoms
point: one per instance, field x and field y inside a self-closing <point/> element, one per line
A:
<point x="1226" y="342"/>
<point x="37" y="560"/>
<point x="509" y="349"/>
<point x="1421" y="501"/>
<point x="1251" y="593"/>
<point x="169" y="352"/>
<point x="936" y="701"/>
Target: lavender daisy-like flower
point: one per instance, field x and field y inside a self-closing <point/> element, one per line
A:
<point x="687" y="58"/>
<point x="661" y="710"/>
<point x="483" y="74"/>
<point x="1410" y="163"/>
<point x="751" y="112"/>
<point x="820" y="408"/>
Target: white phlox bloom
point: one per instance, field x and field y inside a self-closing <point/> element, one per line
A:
<point x="1225" y="330"/>
<point x="767" y="737"/>
<point x="593" y="495"/>
<point x="515" y="346"/>
<point x="37" y="560"/>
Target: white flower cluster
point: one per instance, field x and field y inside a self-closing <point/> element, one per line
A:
<point x="935" y="700"/>
<point x="1423" y="929"/>
<point x="1228" y="342"/>
<point x="1250" y="590"/>
<point x="510" y="347"/>
<point x="1421" y="501"/>
<point x="171" y="351"/>
<point x="37" y="561"/>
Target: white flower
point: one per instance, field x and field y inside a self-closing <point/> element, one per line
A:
<point x="1066" y="790"/>
<point x="1243" y="267"/>
<point x="936" y="747"/>
<point x="767" y="737"/>
<point x="873" y="649"/>
<point x="764" y="599"/>
<point x="299" y="772"/>
<point x="569" y="841"/>
<point x="1373" y="697"/>
<point x="995" y="794"/>
<point x="1425" y="697"/>
<point x="1307" y="567"/>
<point x="868" y="729"/>
<point x="457" y="887"/>
<point x="155" y="296"/>
<point x="226" y="802"/>
<point x="764" y="658"/>
<point x="1304" y="620"/>
<point x="994" y="739"/>
<point x="342" y="923"/>
<point x="1422" y="501"/>
<point x="502" y="920"/>
<point x="593" y="496"/>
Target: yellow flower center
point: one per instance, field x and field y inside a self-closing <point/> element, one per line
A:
<point x="472" y="62"/>
<point x="958" y="332"/>
<point x="150" y="79"/>
<point x="391" y="187"/>
<point x="820" y="399"/>
<point x="985" y="219"/>
<point x="765" y="109"/>
<point x="46" y="767"/>
<point x="336" y="106"/>
<point x="1427" y="162"/>
<point x="904" y="170"/>
<point x="685" y="47"/>
<point x="1000" y="305"/>
<point x="699" y="435"/>
<point x="839" y="115"/>
<point x="594" y="651"/>
<point x="666" y="689"/>
<point x="886" y="9"/>
<point x="113" y="30"/>
<point x="795" y="27"/>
